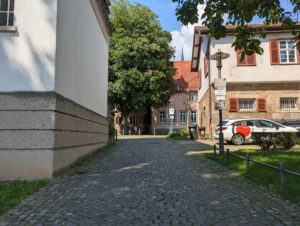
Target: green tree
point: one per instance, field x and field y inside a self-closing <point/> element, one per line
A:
<point x="140" y="74"/>
<point x="240" y="12"/>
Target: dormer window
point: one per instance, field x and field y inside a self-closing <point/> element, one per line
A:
<point x="7" y="12"/>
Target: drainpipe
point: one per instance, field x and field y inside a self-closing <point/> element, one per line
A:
<point x="209" y="88"/>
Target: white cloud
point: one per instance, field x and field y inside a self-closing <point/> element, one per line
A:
<point x="184" y="38"/>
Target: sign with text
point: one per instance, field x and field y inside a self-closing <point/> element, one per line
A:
<point x="220" y="105"/>
<point x="171" y="111"/>
<point x="220" y="88"/>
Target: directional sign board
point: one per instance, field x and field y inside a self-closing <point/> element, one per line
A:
<point x="220" y="98"/>
<point x="220" y="105"/>
<point x="171" y="111"/>
<point x="220" y="89"/>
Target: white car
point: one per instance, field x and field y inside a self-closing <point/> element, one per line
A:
<point x="238" y="131"/>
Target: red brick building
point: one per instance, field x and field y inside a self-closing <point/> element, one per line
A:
<point x="185" y="101"/>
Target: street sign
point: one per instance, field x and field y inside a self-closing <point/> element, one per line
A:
<point x="220" y="98"/>
<point x="220" y="88"/>
<point x="220" y="91"/>
<point x="172" y="117"/>
<point x="220" y="82"/>
<point x="220" y="105"/>
<point x="171" y="111"/>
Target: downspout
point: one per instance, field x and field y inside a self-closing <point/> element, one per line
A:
<point x="209" y="88"/>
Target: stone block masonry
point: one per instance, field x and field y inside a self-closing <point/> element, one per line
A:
<point x="42" y="133"/>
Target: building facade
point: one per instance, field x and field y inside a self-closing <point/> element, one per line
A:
<point x="53" y="84"/>
<point x="260" y="86"/>
<point x="185" y="102"/>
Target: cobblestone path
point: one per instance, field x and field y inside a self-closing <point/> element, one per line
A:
<point x="153" y="182"/>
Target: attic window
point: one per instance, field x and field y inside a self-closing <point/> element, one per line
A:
<point x="7" y="12"/>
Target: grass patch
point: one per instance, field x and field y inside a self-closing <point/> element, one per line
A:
<point x="12" y="193"/>
<point x="266" y="176"/>
<point x="176" y="136"/>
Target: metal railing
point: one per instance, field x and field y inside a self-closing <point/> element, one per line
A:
<point x="248" y="160"/>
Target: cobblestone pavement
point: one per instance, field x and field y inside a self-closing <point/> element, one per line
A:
<point x="152" y="182"/>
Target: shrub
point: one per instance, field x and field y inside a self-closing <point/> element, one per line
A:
<point x="112" y="130"/>
<point x="184" y="133"/>
<point x="269" y="141"/>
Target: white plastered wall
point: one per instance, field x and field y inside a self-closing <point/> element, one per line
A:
<point x="82" y="56"/>
<point x="262" y="72"/>
<point x="204" y="80"/>
<point x="27" y="57"/>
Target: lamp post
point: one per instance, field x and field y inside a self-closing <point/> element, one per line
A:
<point x="218" y="57"/>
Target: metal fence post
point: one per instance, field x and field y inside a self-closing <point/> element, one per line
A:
<point x="215" y="151"/>
<point x="227" y="151"/>
<point x="281" y="173"/>
<point x="247" y="162"/>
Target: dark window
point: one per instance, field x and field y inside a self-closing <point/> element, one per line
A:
<point x="265" y="123"/>
<point x="7" y="12"/>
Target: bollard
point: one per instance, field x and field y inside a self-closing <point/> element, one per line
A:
<point x="123" y="131"/>
<point x="154" y="131"/>
<point x="116" y="135"/>
<point x="140" y="131"/>
<point x="281" y="173"/>
<point x="215" y="150"/>
<point x="227" y="152"/>
<point x="247" y="162"/>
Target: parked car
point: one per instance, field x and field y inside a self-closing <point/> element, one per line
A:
<point x="238" y="131"/>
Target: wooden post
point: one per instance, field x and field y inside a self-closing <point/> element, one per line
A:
<point x="215" y="151"/>
<point x="281" y="173"/>
<point x="247" y="162"/>
<point x="227" y="151"/>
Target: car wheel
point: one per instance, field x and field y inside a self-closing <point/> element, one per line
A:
<point x="238" y="139"/>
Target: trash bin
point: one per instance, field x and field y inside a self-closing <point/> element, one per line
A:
<point x="202" y="133"/>
<point x="193" y="132"/>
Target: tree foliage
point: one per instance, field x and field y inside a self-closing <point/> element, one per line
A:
<point x="240" y="12"/>
<point x="140" y="74"/>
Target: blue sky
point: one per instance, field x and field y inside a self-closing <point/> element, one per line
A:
<point x="182" y="36"/>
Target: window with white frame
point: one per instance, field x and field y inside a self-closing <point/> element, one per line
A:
<point x="173" y="121"/>
<point x="247" y="104"/>
<point x="288" y="54"/>
<point x="193" y="97"/>
<point x="162" y="117"/>
<point x="7" y="12"/>
<point x="182" y="117"/>
<point x="193" y="116"/>
<point x="288" y="104"/>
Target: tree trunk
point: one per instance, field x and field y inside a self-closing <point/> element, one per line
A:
<point x="147" y="121"/>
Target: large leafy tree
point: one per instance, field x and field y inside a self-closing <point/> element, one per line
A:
<point x="240" y="12"/>
<point x="140" y="75"/>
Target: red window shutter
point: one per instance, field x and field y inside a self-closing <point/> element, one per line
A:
<point x="261" y="104"/>
<point x="240" y="63"/>
<point x="298" y="52"/>
<point x="205" y="67"/>
<point x="251" y="60"/>
<point x="233" y="104"/>
<point x="274" y="52"/>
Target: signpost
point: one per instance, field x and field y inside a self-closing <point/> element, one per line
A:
<point x="172" y="116"/>
<point x="220" y="92"/>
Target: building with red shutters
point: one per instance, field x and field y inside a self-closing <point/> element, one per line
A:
<point x="260" y="86"/>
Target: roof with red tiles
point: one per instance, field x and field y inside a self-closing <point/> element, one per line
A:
<point x="230" y="28"/>
<point x="184" y="78"/>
